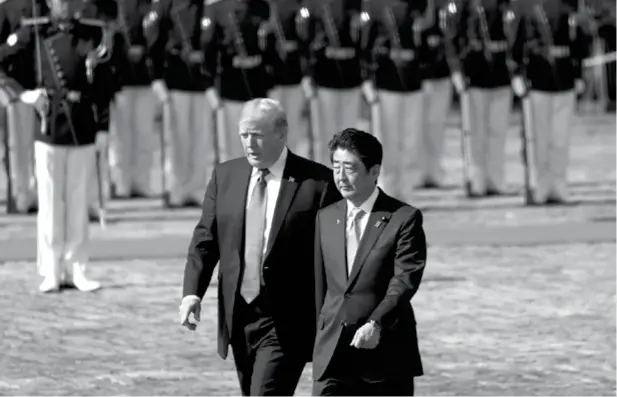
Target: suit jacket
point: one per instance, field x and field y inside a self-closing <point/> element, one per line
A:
<point x="288" y="263"/>
<point x="386" y="273"/>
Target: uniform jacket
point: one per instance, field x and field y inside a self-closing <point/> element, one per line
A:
<point x="549" y="46"/>
<point x="286" y="24"/>
<point x="288" y="262"/>
<point x="335" y="42"/>
<point x="393" y="48"/>
<point x="435" y="64"/>
<point x="79" y="107"/>
<point x="386" y="273"/>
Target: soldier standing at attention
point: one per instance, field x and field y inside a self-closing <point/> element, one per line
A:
<point x="334" y="68"/>
<point x="174" y="31"/>
<point x="394" y="54"/>
<point x="550" y="44"/>
<point x="242" y="57"/>
<point x="19" y="121"/>
<point x="72" y="99"/>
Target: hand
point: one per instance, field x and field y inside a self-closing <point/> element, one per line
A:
<point x="160" y="90"/>
<point x="308" y="88"/>
<point x="458" y="81"/>
<point x="579" y="86"/>
<point x="369" y="92"/>
<point x="190" y="304"/>
<point x="213" y="98"/>
<point x="518" y="86"/>
<point x="37" y="98"/>
<point x="102" y="138"/>
<point x="366" y="337"/>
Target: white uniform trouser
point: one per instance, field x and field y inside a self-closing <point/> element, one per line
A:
<point x="551" y="120"/>
<point x="190" y="146"/>
<point x="339" y="109"/>
<point x="21" y="122"/>
<point x="490" y="119"/>
<point x="437" y="102"/>
<point x="62" y="221"/>
<point x="133" y="140"/>
<point x="293" y="100"/>
<point x="230" y="145"/>
<point x="401" y="138"/>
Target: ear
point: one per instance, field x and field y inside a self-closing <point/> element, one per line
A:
<point x="375" y="171"/>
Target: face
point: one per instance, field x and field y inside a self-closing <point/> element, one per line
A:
<point x="62" y="8"/>
<point x="352" y="179"/>
<point x="261" y="141"/>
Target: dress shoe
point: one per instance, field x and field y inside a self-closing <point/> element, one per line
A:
<point x="85" y="285"/>
<point x="49" y="285"/>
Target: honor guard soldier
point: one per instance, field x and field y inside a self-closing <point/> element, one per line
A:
<point x="437" y="87"/>
<point x="334" y="69"/>
<point x="72" y="100"/>
<point x="550" y="44"/>
<point x="174" y="30"/>
<point x="133" y="140"/>
<point x="19" y="121"/>
<point x="286" y="22"/>
<point x="490" y="98"/>
<point x="243" y="57"/>
<point x="393" y="55"/>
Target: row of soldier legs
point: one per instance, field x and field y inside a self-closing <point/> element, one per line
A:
<point x="411" y="128"/>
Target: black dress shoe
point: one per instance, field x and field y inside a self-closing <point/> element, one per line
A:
<point x="93" y="217"/>
<point x="137" y="194"/>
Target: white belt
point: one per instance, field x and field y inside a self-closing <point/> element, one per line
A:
<point x="246" y="62"/>
<point x="340" y="53"/>
<point x="559" y="51"/>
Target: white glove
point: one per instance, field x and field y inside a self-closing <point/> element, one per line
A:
<point x="308" y="87"/>
<point x="518" y="86"/>
<point x="102" y="138"/>
<point x="579" y="86"/>
<point x="458" y="81"/>
<point x="160" y="90"/>
<point x="368" y="89"/>
<point x="213" y="98"/>
<point x="37" y="98"/>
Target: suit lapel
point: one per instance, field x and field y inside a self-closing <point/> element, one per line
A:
<point x="376" y="222"/>
<point x="237" y="200"/>
<point x="289" y="187"/>
<point x="338" y="240"/>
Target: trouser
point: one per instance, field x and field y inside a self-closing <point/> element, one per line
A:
<point x="189" y="147"/>
<point x="339" y="109"/>
<point x="21" y="122"/>
<point x="262" y="365"/>
<point x="230" y="145"/>
<point x="133" y="141"/>
<point x="490" y="118"/>
<point x="437" y="102"/>
<point x="401" y="138"/>
<point x="551" y="120"/>
<point x="62" y="222"/>
<point x="299" y="135"/>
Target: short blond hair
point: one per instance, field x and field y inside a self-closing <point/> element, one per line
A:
<point x="268" y="109"/>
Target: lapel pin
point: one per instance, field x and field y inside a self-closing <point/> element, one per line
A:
<point x="338" y="221"/>
<point x="292" y="179"/>
<point x="383" y="220"/>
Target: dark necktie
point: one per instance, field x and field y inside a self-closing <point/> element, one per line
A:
<point x="255" y="225"/>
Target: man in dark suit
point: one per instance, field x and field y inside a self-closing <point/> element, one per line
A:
<point x="370" y="253"/>
<point x="258" y="219"/>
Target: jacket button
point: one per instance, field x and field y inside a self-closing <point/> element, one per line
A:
<point x="266" y="268"/>
<point x="347" y="295"/>
<point x="344" y="323"/>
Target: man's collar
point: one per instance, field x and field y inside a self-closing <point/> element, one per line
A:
<point x="367" y="205"/>
<point x="278" y="167"/>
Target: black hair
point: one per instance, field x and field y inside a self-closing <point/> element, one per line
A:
<point x="361" y="143"/>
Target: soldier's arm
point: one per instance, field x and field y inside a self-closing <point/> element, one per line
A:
<point x="580" y="48"/>
<point x="369" y="34"/>
<point x="209" y="41"/>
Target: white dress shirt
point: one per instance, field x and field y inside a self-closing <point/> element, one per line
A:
<point x="273" y="188"/>
<point x="367" y="207"/>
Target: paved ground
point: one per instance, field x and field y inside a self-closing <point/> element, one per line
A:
<point x="492" y="321"/>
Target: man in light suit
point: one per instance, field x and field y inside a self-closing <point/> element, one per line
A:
<point x="370" y="253"/>
<point x="258" y="220"/>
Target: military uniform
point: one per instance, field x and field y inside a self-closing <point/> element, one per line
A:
<point x="242" y="57"/>
<point x="20" y="119"/>
<point x="549" y="48"/>
<point x="133" y="130"/>
<point x="334" y="67"/>
<point x="393" y="55"/>
<point x="285" y="27"/>
<point x="174" y="31"/>
<point x="490" y="97"/>
<point x="75" y="110"/>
